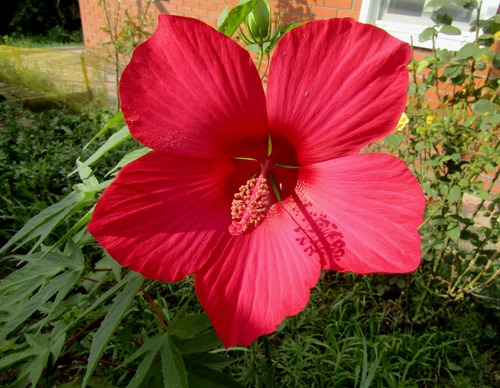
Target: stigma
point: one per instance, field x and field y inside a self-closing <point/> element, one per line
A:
<point x="250" y="204"/>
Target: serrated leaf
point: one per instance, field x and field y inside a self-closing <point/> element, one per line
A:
<point x="41" y="344"/>
<point x="108" y="326"/>
<point x="174" y="371"/>
<point x="42" y="224"/>
<point x="59" y="285"/>
<point x="16" y="358"/>
<point x="148" y="352"/>
<point x="190" y="325"/>
<point x="236" y="16"/>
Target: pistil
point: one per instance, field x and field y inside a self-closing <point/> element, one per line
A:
<point x="251" y="203"/>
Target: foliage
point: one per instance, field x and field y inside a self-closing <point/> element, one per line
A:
<point x="123" y="37"/>
<point x="452" y="143"/>
<point x="37" y="153"/>
<point x="70" y="316"/>
<point x="57" y="19"/>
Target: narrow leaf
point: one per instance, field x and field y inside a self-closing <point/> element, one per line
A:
<point x="174" y="372"/>
<point x="190" y="325"/>
<point x="148" y="352"/>
<point x="108" y="326"/>
<point x="116" y="121"/>
<point x="114" y="141"/>
<point x="42" y="224"/>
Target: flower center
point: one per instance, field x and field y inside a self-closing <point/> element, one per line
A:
<point x="273" y="183"/>
<point x="251" y="203"/>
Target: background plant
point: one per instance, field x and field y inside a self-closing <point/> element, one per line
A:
<point x="124" y="35"/>
<point x="69" y="315"/>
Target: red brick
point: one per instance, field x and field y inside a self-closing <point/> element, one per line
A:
<point x="339" y="4"/>
<point x="345" y="13"/>
<point x="323" y="12"/>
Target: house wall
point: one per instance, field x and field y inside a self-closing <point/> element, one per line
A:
<point x="94" y="21"/>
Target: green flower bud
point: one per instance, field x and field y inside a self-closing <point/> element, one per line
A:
<point x="258" y="22"/>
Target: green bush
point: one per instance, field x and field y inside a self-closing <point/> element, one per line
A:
<point x="37" y="154"/>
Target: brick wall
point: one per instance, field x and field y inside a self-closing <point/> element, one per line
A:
<point x="94" y="17"/>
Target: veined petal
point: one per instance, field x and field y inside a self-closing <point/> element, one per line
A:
<point x="335" y="86"/>
<point x="192" y="91"/>
<point x="257" y="280"/>
<point x="164" y="216"/>
<point x="361" y="214"/>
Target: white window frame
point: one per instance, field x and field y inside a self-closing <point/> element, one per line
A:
<point x="409" y="30"/>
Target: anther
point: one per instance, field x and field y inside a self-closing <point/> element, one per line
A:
<point x="250" y="205"/>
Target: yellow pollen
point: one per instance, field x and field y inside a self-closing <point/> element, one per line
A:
<point x="249" y="205"/>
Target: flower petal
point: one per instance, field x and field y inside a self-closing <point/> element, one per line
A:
<point x="335" y="86"/>
<point x="163" y="216"/>
<point x="192" y="91"/>
<point x="258" y="279"/>
<point x="362" y="214"/>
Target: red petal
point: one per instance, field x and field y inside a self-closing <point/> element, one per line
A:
<point x="362" y="213"/>
<point x="335" y="86"/>
<point x="163" y="216"/>
<point x="259" y="279"/>
<point x="192" y="91"/>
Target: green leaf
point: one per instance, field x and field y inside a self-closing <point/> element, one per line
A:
<point x="203" y="342"/>
<point x="130" y="157"/>
<point x="190" y="325"/>
<point x="443" y="20"/>
<point x="450" y="30"/>
<point x="41" y="345"/>
<point x="42" y="224"/>
<point x="484" y="107"/>
<point x="455" y="194"/>
<point x="427" y="34"/>
<point x="393" y="139"/>
<point x="148" y="352"/>
<point x="453" y="232"/>
<point x="235" y="17"/>
<point x="433" y="5"/>
<point x="174" y="372"/>
<point x="114" y="141"/>
<point x="116" y="121"/>
<point x="469" y="50"/>
<point x="496" y="61"/>
<point x="60" y="285"/>
<point x="118" y="309"/>
<point x="200" y="375"/>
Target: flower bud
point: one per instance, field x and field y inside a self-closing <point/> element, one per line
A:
<point x="258" y="22"/>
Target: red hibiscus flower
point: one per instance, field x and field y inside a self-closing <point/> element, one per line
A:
<point x="257" y="192"/>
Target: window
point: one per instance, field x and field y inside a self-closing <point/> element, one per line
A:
<point x="405" y="20"/>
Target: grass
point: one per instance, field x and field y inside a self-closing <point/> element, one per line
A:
<point x="349" y="336"/>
